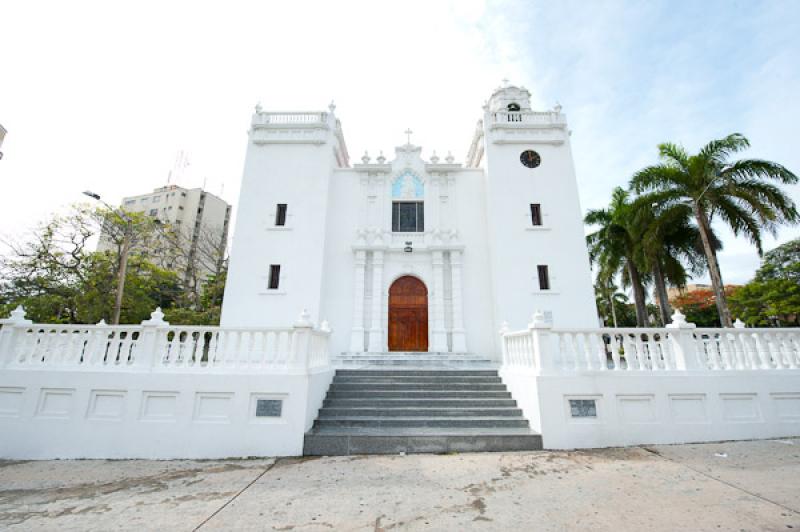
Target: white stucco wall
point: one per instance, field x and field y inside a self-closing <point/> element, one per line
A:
<point x="662" y="408"/>
<point x="47" y="414"/>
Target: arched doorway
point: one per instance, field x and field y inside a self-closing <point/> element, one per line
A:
<point x="408" y="315"/>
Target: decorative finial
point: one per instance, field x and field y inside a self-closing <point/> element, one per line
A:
<point x="434" y="157"/>
<point x="738" y="324"/>
<point x="504" y="328"/>
<point x="505" y="82"/>
<point x="557" y="108"/>
<point x="258" y="107"/>
<point x="449" y="157"/>
<point x="17" y="316"/>
<point x="156" y="318"/>
<point x="408" y="133"/>
<point x="304" y="320"/>
<point x="381" y="159"/>
<point x="102" y="323"/>
<point x="325" y="326"/>
<point x="365" y="158"/>
<point x="18" y="313"/>
<point x="332" y="106"/>
<point x="679" y="321"/>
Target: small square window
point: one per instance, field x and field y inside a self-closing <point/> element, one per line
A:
<point x="408" y="216"/>
<point x="153" y="212"/>
<point x="280" y="214"/>
<point x="536" y="214"/>
<point x="544" y="277"/>
<point x="274" y="276"/>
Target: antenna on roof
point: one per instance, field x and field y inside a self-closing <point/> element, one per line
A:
<point x="181" y="162"/>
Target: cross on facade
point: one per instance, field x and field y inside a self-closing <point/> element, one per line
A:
<point x="408" y="133"/>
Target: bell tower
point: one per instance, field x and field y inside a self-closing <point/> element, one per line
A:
<point x="277" y="259"/>
<point x="538" y="254"/>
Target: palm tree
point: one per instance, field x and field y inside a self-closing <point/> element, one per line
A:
<point x="738" y="192"/>
<point x="669" y="241"/>
<point x="614" y="247"/>
<point x="610" y="302"/>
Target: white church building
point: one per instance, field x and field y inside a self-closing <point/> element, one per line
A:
<point x="390" y="306"/>
<point x="405" y="253"/>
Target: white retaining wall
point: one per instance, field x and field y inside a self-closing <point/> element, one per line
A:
<point x="635" y="409"/>
<point x="158" y="391"/>
<point x="46" y="414"/>
<point x="678" y="384"/>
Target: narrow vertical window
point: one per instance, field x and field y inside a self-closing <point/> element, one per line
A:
<point x="274" y="276"/>
<point x="536" y="214"/>
<point x="280" y="214"/>
<point x="544" y="277"/>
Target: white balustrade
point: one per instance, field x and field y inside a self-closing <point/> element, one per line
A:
<point x="157" y="346"/>
<point x="290" y="118"/>
<point x="651" y="349"/>
<point x="528" y="117"/>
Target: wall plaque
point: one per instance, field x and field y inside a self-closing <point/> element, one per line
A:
<point x="583" y="408"/>
<point x="269" y="407"/>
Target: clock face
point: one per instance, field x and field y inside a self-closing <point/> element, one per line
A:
<point x="530" y="158"/>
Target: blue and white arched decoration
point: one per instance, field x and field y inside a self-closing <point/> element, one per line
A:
<point x="408" y="186"/>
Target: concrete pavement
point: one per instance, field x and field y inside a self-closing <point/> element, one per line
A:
<point x="725" y="486"/>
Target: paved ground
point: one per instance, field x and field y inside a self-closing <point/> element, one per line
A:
<point x="726" y="486"/>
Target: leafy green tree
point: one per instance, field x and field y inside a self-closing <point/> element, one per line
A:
<point x="146" y="287"/>
<point x="615" y="247"/>
<point x="741" y="193"/>
<point x="209" y="309"/>
<point x="772" y="298"/>
<point x="53" y="275"/>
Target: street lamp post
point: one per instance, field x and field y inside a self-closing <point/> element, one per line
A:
<point x="123" y="255"/>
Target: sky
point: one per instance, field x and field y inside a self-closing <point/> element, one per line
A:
<point x="104" y="95"/>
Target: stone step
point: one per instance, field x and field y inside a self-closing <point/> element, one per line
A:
<point x="423" y="412"/>
<point x="408" y="422"/>
<point x="429" y="402"/>
<point x="415" y="372"/>
<point x="417" y="394"/>
<point x="412" y="364"/>
<point x="371" y="386"/>
<point x="394" y="441"/>
<point x="415" y="379"/>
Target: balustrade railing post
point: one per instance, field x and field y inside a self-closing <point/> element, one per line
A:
<point x="301" y="342"/>
<point x="503" y="347"/>
<point x="11" y="335"/>
<point x="147" y="355"/>
<point x="541" y="342"/>
<point x="684" y="346"/>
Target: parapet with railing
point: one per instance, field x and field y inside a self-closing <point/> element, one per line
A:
<point x="155" y="345"/>
<point x="681" y="347"/>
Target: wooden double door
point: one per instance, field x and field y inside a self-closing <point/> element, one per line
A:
<point x="408" y="315"/>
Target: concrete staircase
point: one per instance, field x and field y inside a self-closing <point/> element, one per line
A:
<point x="388" y="411"/>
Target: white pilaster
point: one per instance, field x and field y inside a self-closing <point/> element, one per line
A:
<point x="438" y="334"/>
<point x="376" y="325"/>
<point x="459" y="336"/>
<point x="357" y="334"/>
